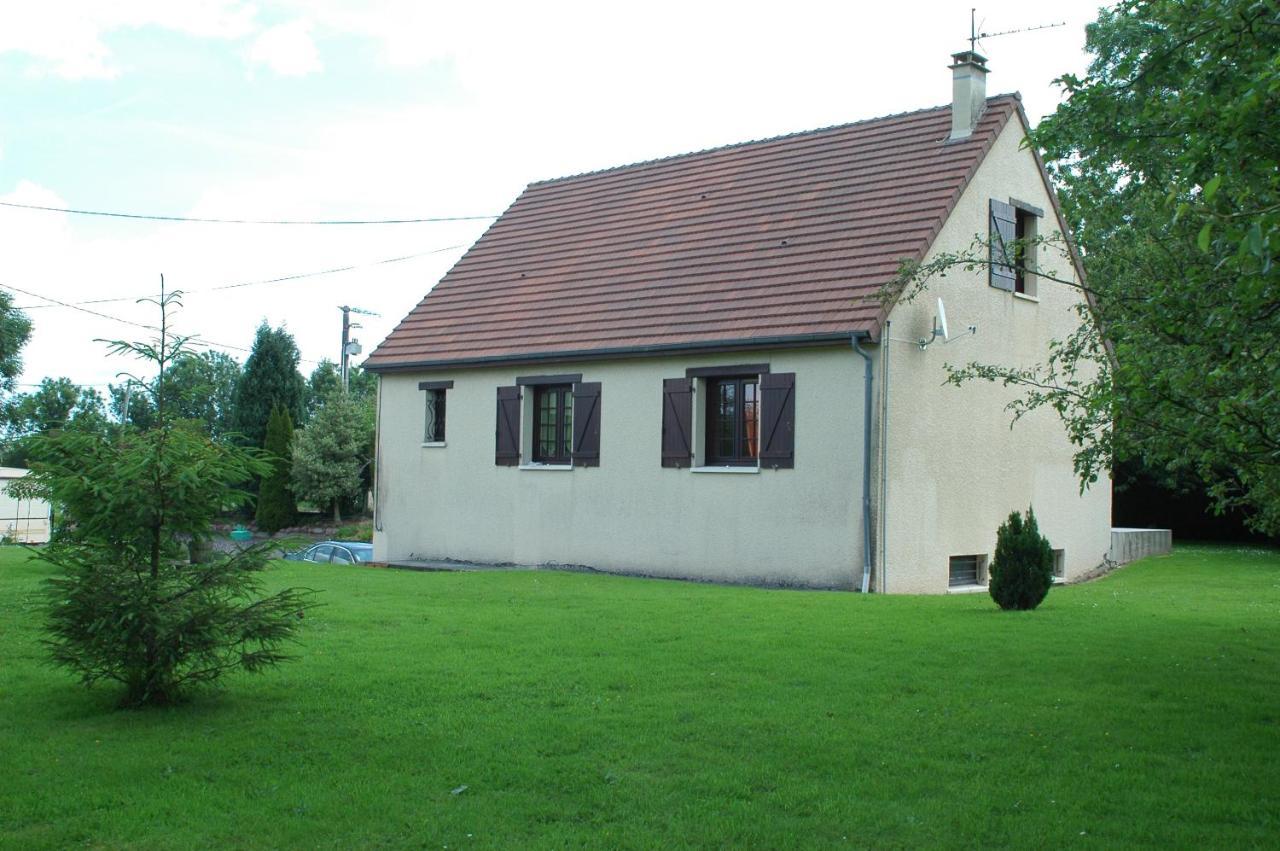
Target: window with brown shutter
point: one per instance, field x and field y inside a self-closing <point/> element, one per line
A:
<point x="586" y="424"/>
<point x="778" y="420"/>
<point x="1003" y="238"/>
<point x="677" y="421"/>
<point x="507" y="431"/>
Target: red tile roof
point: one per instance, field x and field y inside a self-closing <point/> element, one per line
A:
<point x="784" y="239"/>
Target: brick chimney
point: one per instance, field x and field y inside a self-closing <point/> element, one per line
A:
<point x="968" y="92"/>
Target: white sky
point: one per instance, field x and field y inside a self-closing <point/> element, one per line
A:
<point x="332" y="109"/>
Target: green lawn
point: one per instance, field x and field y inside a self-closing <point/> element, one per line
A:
<point x="594" y="711"/>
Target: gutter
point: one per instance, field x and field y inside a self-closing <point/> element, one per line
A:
<point x="856" y="340"/>
<point x="653" y="350"/>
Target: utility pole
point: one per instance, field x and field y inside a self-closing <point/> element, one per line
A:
<point x="349" y="346"/>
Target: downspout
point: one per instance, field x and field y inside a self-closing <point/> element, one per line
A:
<point x="866" y="462"/>
<point x="884" y="462"/>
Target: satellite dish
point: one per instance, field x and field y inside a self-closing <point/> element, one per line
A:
<point x="942" y="320"/>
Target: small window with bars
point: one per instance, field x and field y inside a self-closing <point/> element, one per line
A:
<point x="434" y="430"/>
<point x="1059" y="565"/>
<point x="967" y="570"/>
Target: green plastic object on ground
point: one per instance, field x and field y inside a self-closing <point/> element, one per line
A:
<point x="241" y="534"/>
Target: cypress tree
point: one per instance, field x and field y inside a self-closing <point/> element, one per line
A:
<point x="270" y="378"/>
<point x="276" y="506"/>
<point x="1022" y="569"/>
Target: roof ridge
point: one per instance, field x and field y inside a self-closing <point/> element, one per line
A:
<point x="1015" y="96"/>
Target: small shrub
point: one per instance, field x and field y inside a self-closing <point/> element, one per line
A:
<point x="355" y="532"/>
<point x="1022" y="569"/>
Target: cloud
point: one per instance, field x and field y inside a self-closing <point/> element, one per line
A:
<point x="64" y="38"/>
<point x="287" y="49"/>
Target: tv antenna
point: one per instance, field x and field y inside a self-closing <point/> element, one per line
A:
<point x="975" y="35"/>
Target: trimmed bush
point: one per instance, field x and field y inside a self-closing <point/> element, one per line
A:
<point x="1022" y="569"/>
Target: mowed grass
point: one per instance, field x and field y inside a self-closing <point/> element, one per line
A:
<point x="540" y="709"/>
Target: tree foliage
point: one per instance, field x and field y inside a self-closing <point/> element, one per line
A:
<point x="1022" y="569"/>
<point x="326" y="379"/>
<point x="270" y="378"/>
<point x="202" y="387"/>
<point x="276" y="506"/>
<point x="15" y="329"/>
<point x="330" y="453"/>
<point x="1165" y="158"/>
<point x="57" y="403"/>
<point x="126" y="607"/>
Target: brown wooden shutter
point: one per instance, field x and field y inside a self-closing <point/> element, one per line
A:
<point x="677" y="420"/>
<point x="586" y="424"/>
<point x="778" y="420"/>
<point x="507" y="433"/>
<point x="1003" y="238"/>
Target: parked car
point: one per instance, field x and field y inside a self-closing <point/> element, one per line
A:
<point x="335" y="552"/>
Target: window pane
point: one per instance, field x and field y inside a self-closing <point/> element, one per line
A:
<point x="750" y="420"/>
<point x="726" y="413"/>
<point x="552" y="433"/>
<point x="566" y="434"/>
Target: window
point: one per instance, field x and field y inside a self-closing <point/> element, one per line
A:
<point x="433" y="428"/>
<point x="733" y="421"/>
<point x="747" y="418"/>
<point x="1024" y="252"/>
<point x="553" y="424"/>
<point x="1060" y="564"/>
<point x="435" y="417"/>
<point x="1012" y="234"/>
<point x="967" y="570"/>
<point x="551" y="420"/>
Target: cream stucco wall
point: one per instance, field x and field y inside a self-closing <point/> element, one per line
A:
<point x="798" y="527"/>
<point x="955" y="468"/>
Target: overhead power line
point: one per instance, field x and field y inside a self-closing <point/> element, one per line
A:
<point x="194" y="339"/>
<point x="283" y="279"/>
<point x="155" y="218"/>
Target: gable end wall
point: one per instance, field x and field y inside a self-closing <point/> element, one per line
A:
<point x="955" y="468"/>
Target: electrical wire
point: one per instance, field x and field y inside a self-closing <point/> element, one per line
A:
<point x="156" y="218"/>
<point x="194" y="339"/>
<point x="264" y="281"/>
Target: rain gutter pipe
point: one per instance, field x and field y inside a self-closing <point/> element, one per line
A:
<point x="856" y="340"/>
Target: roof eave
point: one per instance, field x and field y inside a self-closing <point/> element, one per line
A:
<point x="622" y="352"/>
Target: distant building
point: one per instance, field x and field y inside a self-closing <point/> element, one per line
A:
<point x="25" y="521"/>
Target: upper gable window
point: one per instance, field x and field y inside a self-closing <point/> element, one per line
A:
<point x="1013" y="230"/>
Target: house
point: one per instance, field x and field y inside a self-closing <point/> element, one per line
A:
<point x="682" y="368"/>
<point x="22" y="521"/>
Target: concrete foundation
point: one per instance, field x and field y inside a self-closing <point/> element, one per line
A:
<point x="1132" y="544"/>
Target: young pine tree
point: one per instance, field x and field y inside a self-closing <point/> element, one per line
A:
<point x="276" y="506"/>
<point x="126" y="606"/>
<point x="1022" y="569"/>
